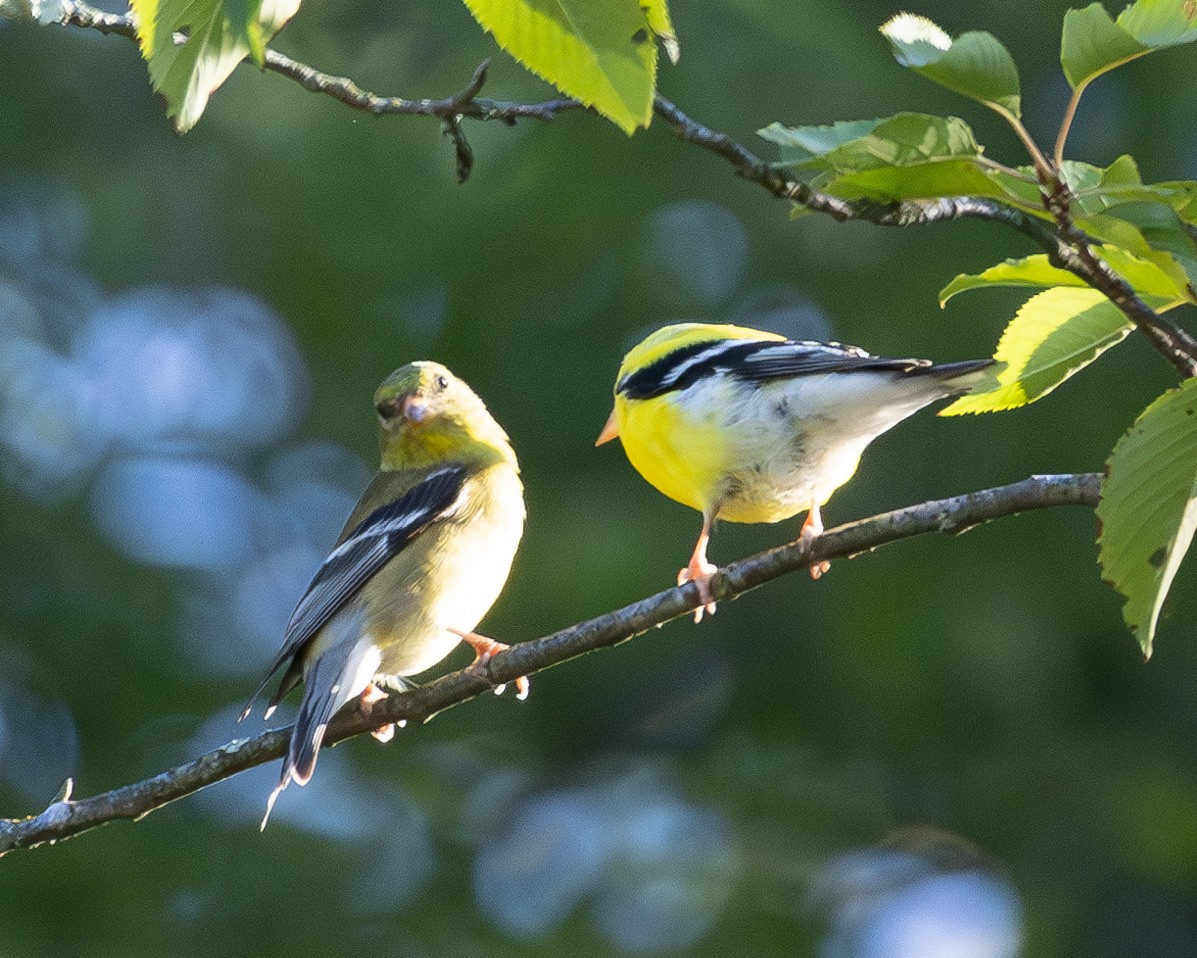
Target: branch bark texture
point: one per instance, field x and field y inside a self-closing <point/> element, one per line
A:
<point x="65" y="818"/>
<point x="1067" y="246"/>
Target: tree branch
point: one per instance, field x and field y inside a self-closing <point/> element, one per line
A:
<point x="1068" y="247"/>
<point x="65" y="818"/>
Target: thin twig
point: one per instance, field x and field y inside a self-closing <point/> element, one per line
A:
<point x="65" y="817"/>
<point x="1068" y="248"/>
<point x="1066" y="125"/>
<point x="465" y="103"/>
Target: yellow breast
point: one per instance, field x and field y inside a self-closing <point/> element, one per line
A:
<point x="682" y="455"/>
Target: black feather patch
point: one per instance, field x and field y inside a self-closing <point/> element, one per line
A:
<point x="753" y="360"/>
<point x="376" y="540"/>
<point x="685" y="366"/>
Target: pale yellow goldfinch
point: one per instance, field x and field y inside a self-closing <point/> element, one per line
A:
<point x="423" y="556"/>
<point x="748" y="426"/>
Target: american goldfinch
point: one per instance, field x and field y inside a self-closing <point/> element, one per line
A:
<point x="749" y="426"/>
<point x="423" y="556"/>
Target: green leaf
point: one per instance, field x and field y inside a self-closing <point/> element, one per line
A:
<point x="974" y="64"/>
<point x="905" y="156"/>
<point x="921" y="181"/>
<point x="1054" y="334"/>
<point x="243" y="18"/>
<point x="657" y="13"/>
<point x="1079" y="176"/>
<point x="1144" y="275"/>
<point x="801" y="144"/>
<point x="1181" y="195"/>
<point x="904" y="140"/>
<point x="1163" y="229"/>
<point x="186" y="74"/>
<point x="1148" y="508"/>
<point x="1120" y="182"/>
<point x="1124" y="171"/>
<point x="1028" y="271"/>
<point x="600" y="52"/>
<point x="1184" y="198"/>
<point x="899" y="140"/>
<point x="1160" y="23"/>
<point x="1093" y="43"/>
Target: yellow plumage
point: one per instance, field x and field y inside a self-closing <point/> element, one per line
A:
<point x="421" y="559"/>
<point x="747" y="426"/>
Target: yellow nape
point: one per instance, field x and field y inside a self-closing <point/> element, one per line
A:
<point x="667" y="339"/>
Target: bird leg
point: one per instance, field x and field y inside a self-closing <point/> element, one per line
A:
<point x="700" y="571"/>
<point x="484" y="648"/>
<point x="365" y="702"/>
<point x="812" y="528"/>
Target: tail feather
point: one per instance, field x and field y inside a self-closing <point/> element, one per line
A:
<point x="963" y="377"/>
<point x="339" y="675"/>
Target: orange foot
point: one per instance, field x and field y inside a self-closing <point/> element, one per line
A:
<point x="812" y="528"/>
<point x="700" y="572"/>
<point x="484" y="648"/>
<point x="371" y="694"/>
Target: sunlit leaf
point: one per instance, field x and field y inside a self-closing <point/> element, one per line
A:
<point x="657" y="13"/>
<point x="1054" y="334"/>
<point x="1028" y="271"/>
<point x="186" y="74"/>
<point x="1147" y="278"/>
<point x="600" y="52"/>
<point x="974" y="64"/>
<point x="1160" y="23"/>
<point x="1148" y="508"/>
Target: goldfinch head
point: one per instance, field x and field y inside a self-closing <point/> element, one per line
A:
<point x="426" y="414"/>
<point x="657" y="348"/>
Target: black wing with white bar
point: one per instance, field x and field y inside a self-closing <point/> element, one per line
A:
<point x="377" y="539"/>
<point x="752" y="360"/>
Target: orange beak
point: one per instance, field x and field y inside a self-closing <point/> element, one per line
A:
<point x="610" y="431"/>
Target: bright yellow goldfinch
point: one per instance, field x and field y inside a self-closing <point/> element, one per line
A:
<point x="422" y="558"/>
<point x="748" y="426"/>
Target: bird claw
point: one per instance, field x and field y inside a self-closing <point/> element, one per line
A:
<point x="484" y="649"/>
<point x="812" y="528"/>
<point x="365" y="704"/>
<point x="370" y="694"/>
<point x="700" y="573"/>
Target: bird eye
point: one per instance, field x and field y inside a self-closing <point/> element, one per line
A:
<point x="441" y="383"/>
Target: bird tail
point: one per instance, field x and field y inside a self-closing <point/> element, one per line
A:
<point x="971" y="375"/>
<point x="339" y="674"/>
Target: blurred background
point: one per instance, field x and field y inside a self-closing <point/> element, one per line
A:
<point x="949" y="748"/>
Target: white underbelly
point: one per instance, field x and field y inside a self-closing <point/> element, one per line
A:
<point x="794" y="442"/>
